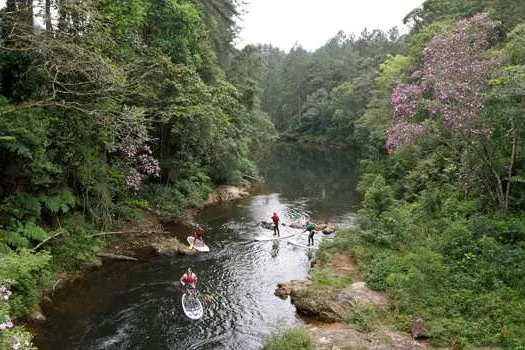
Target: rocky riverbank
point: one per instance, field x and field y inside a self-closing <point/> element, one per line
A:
<point x="150" y="236"/>
<point x="346" y="317"/>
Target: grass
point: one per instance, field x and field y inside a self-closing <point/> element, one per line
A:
<point x="295" y="338"/>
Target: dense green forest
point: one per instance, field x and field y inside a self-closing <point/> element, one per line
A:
<point x="437" y="116"/>
<point x="108" y="108"/>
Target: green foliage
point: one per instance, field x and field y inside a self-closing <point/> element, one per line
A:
<point x="25" y="273"/>
<point x="60" y="202"/>
<point x="190" y="187"/>
<point x="318" y="97"/>
<point x="75" y="249"/>
<point x="16" y="338"/>
<point x="365" y="317"/>
<point x="324" y="279"/>
<point x="297" y="338"/>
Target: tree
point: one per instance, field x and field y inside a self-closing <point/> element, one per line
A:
<point x="448" y="105"/>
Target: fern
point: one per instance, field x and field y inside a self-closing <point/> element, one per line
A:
<point x="61" y="201"/>
<point x="7" y="138"/>
<point x="4" y="248"/>
<point x="21" y="235"/>
<point x="14" y="239"/>
<point x="19" y="149"/>
<point x="32" y="231"/>
<point x="517" y="179"/>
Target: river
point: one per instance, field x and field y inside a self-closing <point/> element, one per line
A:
<point x="136" y="305"/>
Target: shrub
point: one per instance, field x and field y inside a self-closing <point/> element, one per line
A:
<point x="297" y="339"/>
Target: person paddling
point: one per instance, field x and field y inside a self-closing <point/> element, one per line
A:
<point x="189" y="279"/>
<point x="275" y="219"/>
<point x="310" y="227"/>
<point x="198" y="234"/>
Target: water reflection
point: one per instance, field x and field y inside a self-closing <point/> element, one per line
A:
<point x="275" y="248"/>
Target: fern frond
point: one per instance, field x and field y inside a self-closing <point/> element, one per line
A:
<point x="517" y="179"/>
<point x="61" y="201"/>
<point x="4" y="248"/>
<point x="7" y="138"/>
<point x="32" y="231"/>
<point x="15" y="239"/>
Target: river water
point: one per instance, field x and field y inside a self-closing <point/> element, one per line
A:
<point x="137" y="305"/>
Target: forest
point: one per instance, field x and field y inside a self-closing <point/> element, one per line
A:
<point x="109" y="108"/>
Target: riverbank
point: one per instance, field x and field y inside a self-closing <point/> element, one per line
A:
<point x="148" y="237"/>
<point x="341" y="311"/>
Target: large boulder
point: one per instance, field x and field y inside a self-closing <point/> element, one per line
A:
<point x="283" y="290"/>
<point x="323" y="307"/>
<point x="328" y="229"/>
<point x="298" y="225"/>
<point x="331" y="306"/>
<point x="225" y="194"/>
<point x="342" y="337"/>
<point x="171" y="246"/>
<point x="419" y="328"/>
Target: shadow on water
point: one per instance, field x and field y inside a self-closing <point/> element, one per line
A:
<point x="127" y="305"/>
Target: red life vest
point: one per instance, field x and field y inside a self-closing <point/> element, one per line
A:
<point x="190" y="279"/>
<point x="275" y="218"/>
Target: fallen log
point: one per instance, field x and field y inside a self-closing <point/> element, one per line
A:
<point x="117" y="257"/>
<point x="127" y="232"/>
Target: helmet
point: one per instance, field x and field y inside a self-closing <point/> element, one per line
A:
<point x="197" y="225"/>
<point x="189" y="270"/>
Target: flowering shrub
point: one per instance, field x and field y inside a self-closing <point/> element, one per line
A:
<point x="403" y="134"/>
<point x="406" y="100"/>
<point x="450" y="85"/>
<point x="11" y="336"/>
<point x="140" y="161"/>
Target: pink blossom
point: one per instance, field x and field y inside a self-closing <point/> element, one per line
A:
<point x="134" y="179"/>
<point x="5" y="293"/>
<point x="6" y="324"/>
<point x="403" y="134"/>
<point x="455" y="73"/>
<point x="141" y="162"/>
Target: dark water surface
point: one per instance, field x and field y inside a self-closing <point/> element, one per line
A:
<point x="137" y="305"/>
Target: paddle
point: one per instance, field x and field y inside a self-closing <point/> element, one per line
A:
<point x="191" y="245"/>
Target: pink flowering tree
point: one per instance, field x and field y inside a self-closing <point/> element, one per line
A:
<point x="465" y="99"/>
<point x="140" y="162"/>
<point x="448" y="91"/>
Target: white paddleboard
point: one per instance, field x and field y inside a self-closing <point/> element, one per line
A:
<point x="192" y="306"/>
<point x="200" y="246"/>
<point x="300" y="245"/>
<point x="271" y="238"/>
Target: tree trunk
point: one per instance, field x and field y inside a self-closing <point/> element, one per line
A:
<point x="49" y="25"/>
<point x="28" y="13"/>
